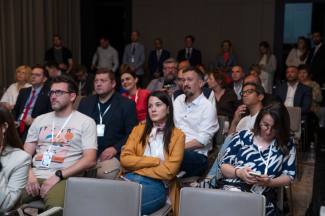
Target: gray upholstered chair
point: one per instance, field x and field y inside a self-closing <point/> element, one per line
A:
<point x="202" y="201"/>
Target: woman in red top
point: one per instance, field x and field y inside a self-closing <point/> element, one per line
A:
<point x="129" y="82"/>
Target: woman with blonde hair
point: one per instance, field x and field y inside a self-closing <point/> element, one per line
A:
<point x="267" y="64"/>
<point x="226" y="59"/>
<point x="22" y="76"/>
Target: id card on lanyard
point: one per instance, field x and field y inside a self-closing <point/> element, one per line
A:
<point x="101" y="126"/>
<point x="47" y="156"/>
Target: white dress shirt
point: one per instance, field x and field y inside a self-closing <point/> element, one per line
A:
<point x="290" y="95"/>
<point x="156" y="148"/>
<point x="197" y="119"/>
<point x="10" y="96"/>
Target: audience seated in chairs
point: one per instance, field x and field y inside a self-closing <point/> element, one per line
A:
<point x="115" y="115"/>
<point x="129" y="82"/>
<point x="315" y="113"/>
<point x="226" y="59"/>
<point x="63" y="143"/>
<point x="32" y="101"/>
<point x="22" y="76"/>
<point x="84" y="80"/>
<point x="14" y="162"/>
<point x="268" y="151"/>
<point x="226" y="99"/>
<point x="197" y="118"/>
<point x="153" y="154"/>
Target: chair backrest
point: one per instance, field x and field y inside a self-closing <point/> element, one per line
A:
<point x="295" y="120"/>
<point x="97" y="197"/>
<point x="202" y="201"/>
<point x="219" y="137"/>
<point x="77" y="102"/>
<point x="220" y="156"/>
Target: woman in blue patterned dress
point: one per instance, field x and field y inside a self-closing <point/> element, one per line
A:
<point x="267" y="150"/>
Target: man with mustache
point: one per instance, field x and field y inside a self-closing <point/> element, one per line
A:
<point x="195" y="115"/>
<point x="167" y="83"/>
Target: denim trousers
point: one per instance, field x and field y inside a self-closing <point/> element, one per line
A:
<point x="153" y="192"/>
<point x="194" y="164"/>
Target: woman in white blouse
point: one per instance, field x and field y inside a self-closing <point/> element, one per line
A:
<point x="267" y="64"/>
<point x="22" y="76"/>
<point x="298" y="56"/>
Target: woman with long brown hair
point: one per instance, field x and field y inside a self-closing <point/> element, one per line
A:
<point x="298" y="56"/>
<point x="14" y="162"/>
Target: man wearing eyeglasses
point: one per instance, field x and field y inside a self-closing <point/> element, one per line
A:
<point x="63" y="143"/>
<point x="167" y="83"/>
<point x="32" y="101"/>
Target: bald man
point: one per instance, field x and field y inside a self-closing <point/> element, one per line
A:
<point x="237" y="75"/>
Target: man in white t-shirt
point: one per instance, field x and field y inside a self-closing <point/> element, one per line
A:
<point x="63" y="143"/>
<point x="252" y="96"/>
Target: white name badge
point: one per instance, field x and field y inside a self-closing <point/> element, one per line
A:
<point x="132" y="59"/>
<point x="100" y="130"/>
<point x="47" y="157"/>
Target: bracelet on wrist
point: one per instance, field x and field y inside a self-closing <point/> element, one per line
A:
<point x="236" y="172"/>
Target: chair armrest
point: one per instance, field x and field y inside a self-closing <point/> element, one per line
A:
<point x="92" y="172"/>
<point x="18" y="210"/>
<point x="112" y="169"/>
<point x="51" y="211"/>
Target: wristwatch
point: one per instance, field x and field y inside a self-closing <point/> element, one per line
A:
<point x="59" y="174"/>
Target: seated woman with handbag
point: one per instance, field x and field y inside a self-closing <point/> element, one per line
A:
<point x="153" y="154"/>
<point x="260" y="160"/>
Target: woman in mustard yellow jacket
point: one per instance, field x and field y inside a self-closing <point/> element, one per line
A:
<point x="153" y="154"/>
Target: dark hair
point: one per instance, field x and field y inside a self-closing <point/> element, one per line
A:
<point x="281" y="119"/>
<point x="158" y="39"/>
<point x="80" y="68"/>
<point x="57" y="36"/>
<point x="45" y="72"/>
<point x="191" y="37"/>
<point x="219" y="77"/>
<point x="104" y="37"/>
<point x="111" y="74"/>
<point x="231" y="49"/>
<point x="196" y="70"/>
<point x="317" y="31"/>
<point x="306" y="48"/>
<point x="52" y="64"/>
<point x="165" y="98"/>
<point x="129" y="72"/>
<point x="72" y="85"/>
<point x="10" y="137"/>
<point x="136" y="32"/>
<point x="259" y="89"/>
<point x="306" y="68"/>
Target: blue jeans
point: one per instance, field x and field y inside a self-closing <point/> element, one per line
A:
<point x="194" y="164"/>
<point x="153" y="192"/>
<point x="213" y="170"/>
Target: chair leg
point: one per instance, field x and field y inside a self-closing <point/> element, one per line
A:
<point x="291" y="212"/>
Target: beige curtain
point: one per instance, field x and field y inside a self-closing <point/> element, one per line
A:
<point x="27" y="28"/>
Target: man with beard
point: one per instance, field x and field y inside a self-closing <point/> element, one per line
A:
<point x="32" y="101"/>
<point x="115" y="115"/>
<point x="167" y="83"/>
<point x="208" y="93"/>
<point x="197" y="118"/>
<point x="106" y="56"/>
<point x="60" y="54"/>
<point x="63" y="143"/>
<point x="316" y="58"/>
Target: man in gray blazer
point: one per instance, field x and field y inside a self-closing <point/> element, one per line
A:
<point x="134" y="56"/>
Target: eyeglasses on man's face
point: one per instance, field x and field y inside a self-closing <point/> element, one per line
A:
<point x="57" y="93"/>
<point x="248" y="92"/>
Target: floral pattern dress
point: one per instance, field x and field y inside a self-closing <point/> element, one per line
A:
<point x="243" y="152"/>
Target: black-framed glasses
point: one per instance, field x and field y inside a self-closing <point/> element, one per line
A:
<point x="248" y="92"/>
<point x="57" y="93"/>
<point x="35" y="74"/>
<point x="266" y="127"/>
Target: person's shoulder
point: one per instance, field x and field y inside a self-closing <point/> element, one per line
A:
<point x="19" y="154"/>
<point x="144" y="91"/>
<point x="82" y="117"/>
<point x="305" y="87"/>
<point x="177" y="132"/>
<point x="28" y="89"/>
<point x="66" y="49"/>
<point x="179" y="99"/>
<point x="196" y="50"/>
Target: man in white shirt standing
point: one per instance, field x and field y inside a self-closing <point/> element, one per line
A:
<point x="195" y="115"/>
<point x="106" y="56"/>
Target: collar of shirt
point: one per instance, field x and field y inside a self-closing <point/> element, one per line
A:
<point x="294" y="86"/>
<point x="189" y="49"/>
<point x="160" y="51"/>
<point x="109" y="101"/>
<point x="239" y="86"/>
<point x="196" y="101"/>
<point x="37" y="90"/>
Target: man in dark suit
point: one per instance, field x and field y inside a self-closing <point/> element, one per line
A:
<point x="294" y="93"/>
<point x="84" y="80"/>
<point x="54" y="71"/>
<point x="316" y="59"/>
<point x="237" y="75"/>
<point x="189" y="53"/>
<point x="156" y="59"/>
<point x="32" y="101"/>
<point x="114" y="115"/>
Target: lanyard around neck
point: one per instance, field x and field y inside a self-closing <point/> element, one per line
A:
<point x="49" y="149"/>
<point x="100" y="114"/>
<point x="268" y="159"/>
